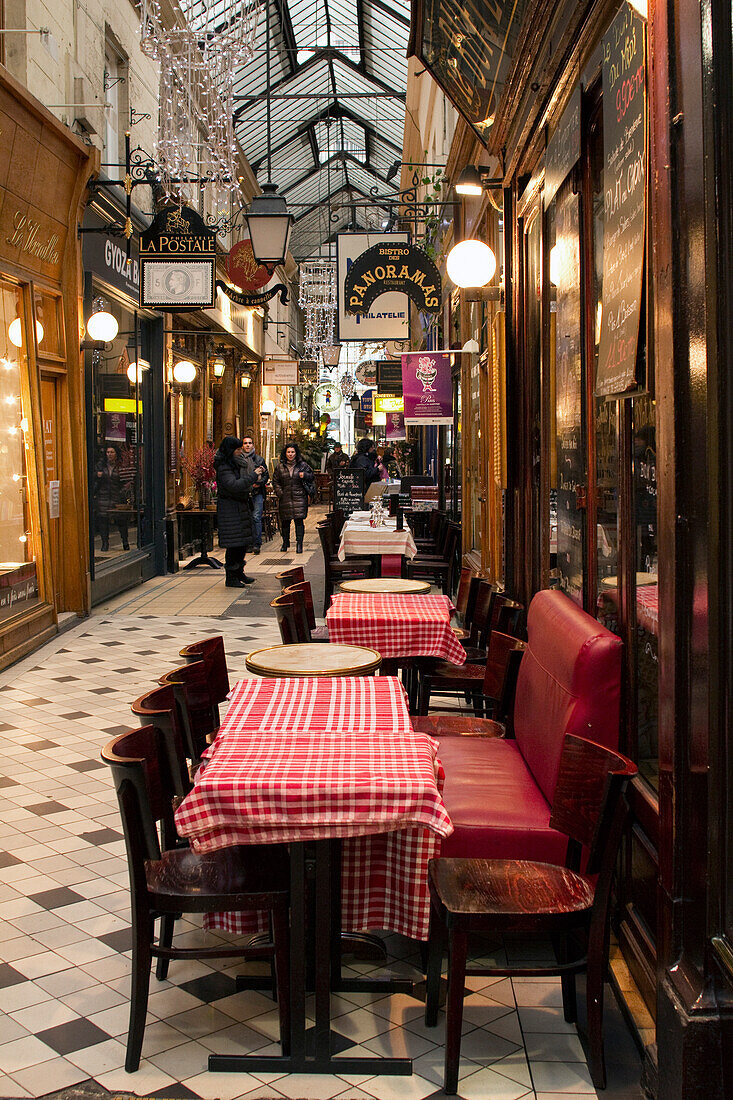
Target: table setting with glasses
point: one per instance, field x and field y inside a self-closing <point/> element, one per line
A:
<point x="374" y="532"/>
<point x="335" y="764"/>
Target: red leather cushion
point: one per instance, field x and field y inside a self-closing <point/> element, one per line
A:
<point x="569" y="682"/>
<point x="496" y="807"/>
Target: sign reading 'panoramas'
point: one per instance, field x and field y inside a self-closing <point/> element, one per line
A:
<point x="392" y="267"/>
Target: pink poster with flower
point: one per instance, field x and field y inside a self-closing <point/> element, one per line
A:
<point x="395" y="427"/>
<point x="428" y="387"/>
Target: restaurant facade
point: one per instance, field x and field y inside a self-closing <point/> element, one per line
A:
<point x="44" y="170"/>
<point x="602" y="389"/>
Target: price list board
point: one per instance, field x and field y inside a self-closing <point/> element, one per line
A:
<point x="624" y="186"/>
<point x="348" y="494"/>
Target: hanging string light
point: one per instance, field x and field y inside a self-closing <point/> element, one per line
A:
<point x="318" y="301"/>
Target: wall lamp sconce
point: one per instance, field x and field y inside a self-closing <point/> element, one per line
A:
<point x="218" y="367"/>
<point x="102" y="327"/>
<point x="470" y="263"/>
<point x="245" y="380"/>
<point x="475" y="180"/>
<point x="267" y="407"/>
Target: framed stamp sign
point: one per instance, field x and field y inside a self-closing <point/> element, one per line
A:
<point x="177" y="262"/>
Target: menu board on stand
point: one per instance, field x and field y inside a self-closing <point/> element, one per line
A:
<point x="624" y="186"/>
<point x="348" y="491"/>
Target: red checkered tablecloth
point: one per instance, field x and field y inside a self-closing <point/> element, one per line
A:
<point x="358" y="539"/>
<point x="307" y="759"/>
<point x="396" y="625"/>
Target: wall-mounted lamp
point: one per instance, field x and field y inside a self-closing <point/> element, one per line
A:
<point x="294" y="415"/>
<point x="470" y="263"/>
<point x="267" y="407"/>
<point x="355" y="403"/>
<point x="281" y="414"/>
<point x="330" y="354"/>
<point x="135" y="371"/>
<point x="102" y="327"/>
<point x="15" y="332"/>
<point x="474" y="181"/>
<point x="218" y="367"/>
<point x="184" y="372"/>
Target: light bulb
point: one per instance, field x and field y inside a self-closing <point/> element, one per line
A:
<point x="135" y="371"/>
<point x="24" y="424"/>
<point x="102" y="326"/>
<point x="22" y="538"/>
<point x="267" y="406"/>
<point x="15" y="333"/>
<point x="294" y="414"/>
<point x="16" y="477"/>
<point x="184" y="372"/>
<point x="470" y="263"/>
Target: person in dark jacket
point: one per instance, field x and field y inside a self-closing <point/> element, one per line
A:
<point x="256" y="466"/>
<point x="109" y="492"/>
<point x="294" y="484"/>
<point x="362" y="460"/>
<point x="337" y="460"/>
<point x="234" y="508"/>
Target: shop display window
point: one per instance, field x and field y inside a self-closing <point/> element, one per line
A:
<point x="19" y="536"/>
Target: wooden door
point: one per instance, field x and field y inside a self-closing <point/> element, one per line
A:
<point x="54" y="503"/>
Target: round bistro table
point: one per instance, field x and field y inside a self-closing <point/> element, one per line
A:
<point x="387" y="586"/>
<point x="313" y="659"/>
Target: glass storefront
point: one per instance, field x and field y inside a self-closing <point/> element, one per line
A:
<point x="19" y="535"/>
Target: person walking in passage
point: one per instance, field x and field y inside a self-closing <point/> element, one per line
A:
<point x="294" y="484"/>
<point x="256" y="466"/>
<point x="234" y="508"/>
<point x="109" y="494"/>
<point x="363" y="458"/>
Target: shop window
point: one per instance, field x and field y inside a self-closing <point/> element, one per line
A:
<point x="49" y="325"/>
<point x="19" y="532"/>
<point x="647" y="592"/>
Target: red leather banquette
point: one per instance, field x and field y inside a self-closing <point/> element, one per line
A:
<point x="498" y="792"/>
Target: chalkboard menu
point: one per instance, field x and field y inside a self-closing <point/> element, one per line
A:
<point x="624" y="186"/>
<point x="563" y="148"/>
<point x="569" y="411"/>
<point x="348" y="493"/>
<point x="389" y="376"/>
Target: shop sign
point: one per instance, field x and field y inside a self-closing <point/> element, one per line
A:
<point x="388" y="403"/>
<point x="390" y="266"/>
<point x="243" y="269"/>
<point x="177" y="262"/>
<point x="624" y="187"/>
<point x="105" y="257"/>
<point x="308" y="372"/>
<point x="395" y="427"/>
<point x="367" y="401"/>
<point x="326" y="398"/>
<point x="389" y="318"/>
<point x="427" y="386"/>
<point x="122" y="405"/>
<point x="280" y="372"/>
<point x="469" y="48"/>
<point x="366" y="372"/>
<point x="563" y="148"/>
<point x="389" y="375"/>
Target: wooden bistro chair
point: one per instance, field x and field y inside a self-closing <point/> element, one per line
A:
<point x="302" y="591"/>
<point x="465" y="601"/>
<point x="159" y="708"/>
<point x="440" y="569"/>
<point x="211" y="652"/>
<point x="190" y="685"/>
<point x="291" y="620"/>
<point x="490" y="686"/>
<point x="164" y="883"/>
<point x="502" y="614"/>
<point x="500" y="895"/>
<point x="336" y="571"/>
<point x="290" y="576"/>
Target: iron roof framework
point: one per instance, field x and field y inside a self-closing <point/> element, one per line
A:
<point x="338" y="77"/>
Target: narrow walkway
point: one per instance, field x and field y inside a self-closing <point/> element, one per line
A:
<point x="64" y="931"/>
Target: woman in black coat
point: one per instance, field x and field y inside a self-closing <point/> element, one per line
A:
<point x="294" y="484"/>
<point x="362" y="460"/>
<point x="109" y="492"/>
<point x="234" y="508"/>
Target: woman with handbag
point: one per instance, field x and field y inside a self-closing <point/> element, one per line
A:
<point x="294" y="485"/>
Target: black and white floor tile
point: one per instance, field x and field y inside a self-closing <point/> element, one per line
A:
<point x="64" y="934"/>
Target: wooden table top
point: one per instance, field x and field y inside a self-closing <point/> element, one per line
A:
<point x="387" y="586"/>
<point x="313" y="659"/>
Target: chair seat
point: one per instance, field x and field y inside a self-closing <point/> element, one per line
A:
<point x="475" y="655"/>
<point x="461" y="633"/>
<point x="190" y="880"/>
<point x="457" y="725"/>
<point x="509" y="888"/>
<point x="319" y="634"/>
<point x="350" y="564"/>
<point x="453" y="676"/>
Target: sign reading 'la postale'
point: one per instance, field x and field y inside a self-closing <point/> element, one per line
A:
<point x="393" y="267"/>
<point x="177" y="261"/>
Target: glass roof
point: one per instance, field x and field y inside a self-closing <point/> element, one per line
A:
<point x="338" y="75"/>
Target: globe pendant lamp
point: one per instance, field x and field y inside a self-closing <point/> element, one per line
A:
<point x="470" y="264"/>
<point x="268" y="221"/>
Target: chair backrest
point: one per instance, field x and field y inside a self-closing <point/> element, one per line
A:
<point x="464" y="586"/>
<point x="473" y="591"/>
<point x="484" y="601"/>
<point x="502" y="666"/>
<point x="569" y="683"/>
<point x="211" y="652"/>
<point x="590" y="783"/>
<point x="191" y="688"/>
<point x="336" y="519"/>
<point x="144" y="794"/>
<point x="303" y="588"/>
<point x="505" y="615"/>
<point x="160" y="708"/>
<point x="324" y="534"/>
<point x="288" y="620"/>
<point x="453" y="553"/>
<point x="290" y="576"/>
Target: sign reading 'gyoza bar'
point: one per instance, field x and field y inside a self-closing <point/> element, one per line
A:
<point x="177" y="261"/>
<point x="392" y="267"/>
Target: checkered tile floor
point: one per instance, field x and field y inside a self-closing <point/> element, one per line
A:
<point x="64" y="935"/>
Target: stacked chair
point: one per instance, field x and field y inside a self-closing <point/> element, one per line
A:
<point x="336" y="571"/>
<point x="439" y="568"/>
<point x="211" y="652"/>
<point x="302" y="592"/>
<point x="198" y="710"/>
